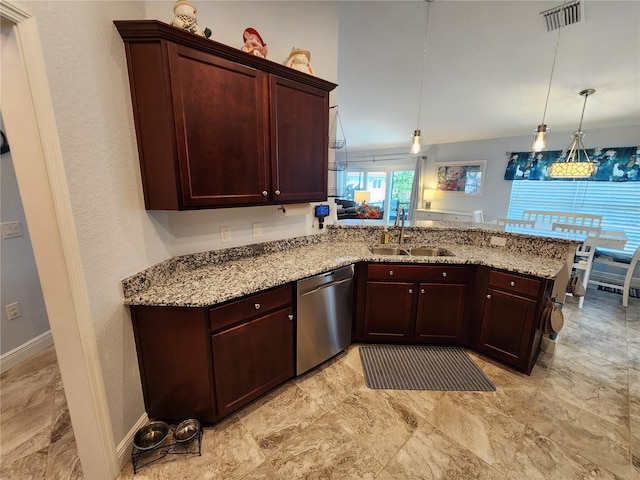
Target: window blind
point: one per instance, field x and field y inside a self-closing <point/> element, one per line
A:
<point x="618" y="203"/>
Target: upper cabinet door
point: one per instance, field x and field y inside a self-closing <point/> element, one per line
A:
<point x="220" y="117"/>
<point x="299" y="141"/>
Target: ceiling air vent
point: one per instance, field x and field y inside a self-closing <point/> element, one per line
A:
<point x="566" y="14"/>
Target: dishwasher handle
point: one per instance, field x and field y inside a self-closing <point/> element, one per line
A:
<point x="325" y="285"/>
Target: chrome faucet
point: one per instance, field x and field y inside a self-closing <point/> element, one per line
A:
<point x="401" y="239"/>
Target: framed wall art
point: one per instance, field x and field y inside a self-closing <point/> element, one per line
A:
<point x="465" y="178"/>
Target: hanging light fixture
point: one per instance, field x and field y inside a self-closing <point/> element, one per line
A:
<point x="540" y="135"/>
<point x="416" y="144"/>
<point x="572" y="166"/>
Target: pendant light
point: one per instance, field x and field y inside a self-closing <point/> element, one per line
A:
<point x="572" y="166"/>
<point x="416" y="144"/>
<point x="540" y="135"/>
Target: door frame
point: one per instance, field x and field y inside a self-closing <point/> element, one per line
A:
<point x="30" y="122"/>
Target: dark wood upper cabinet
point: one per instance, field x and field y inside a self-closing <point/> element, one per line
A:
<point x="217" y="127"/>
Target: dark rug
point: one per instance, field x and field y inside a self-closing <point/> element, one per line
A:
<point x="633" y="292"/>
<point x="404" y="367"/>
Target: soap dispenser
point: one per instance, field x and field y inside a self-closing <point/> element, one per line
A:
<point x="384" y="238"/>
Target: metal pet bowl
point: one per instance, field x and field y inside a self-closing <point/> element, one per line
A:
<point x="186" y="431"/>
<point x="151" y="436"/>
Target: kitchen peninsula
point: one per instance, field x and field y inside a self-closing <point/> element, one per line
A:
<point x="206" y="309"/>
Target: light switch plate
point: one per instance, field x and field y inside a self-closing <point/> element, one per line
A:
<point x="13" y="310"/>
<point x="11" y="229"/>
<point x="257" y="229"/>
<point x="225" y="234"/>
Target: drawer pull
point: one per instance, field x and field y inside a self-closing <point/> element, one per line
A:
<point x="257" y="305"/>
<point x="513" y="284"/>
<point x="391" y="273"/>
<point x="290" y="317"/>
<point x="422" y="290"/>
<point x="489" y="296"/>
<point x="411" y="290"/>
<point x="444" y="274"/>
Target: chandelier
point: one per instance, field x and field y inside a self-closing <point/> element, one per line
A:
<point x="571" y="164"/>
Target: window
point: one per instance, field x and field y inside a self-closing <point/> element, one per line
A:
<point x="389" y="189"/>
<point x="618" y="203"/>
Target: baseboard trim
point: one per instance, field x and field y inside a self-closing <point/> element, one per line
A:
<point x="25" y="351"/>
<point x="124" y="448"/>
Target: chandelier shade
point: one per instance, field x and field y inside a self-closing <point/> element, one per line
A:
<point x="574" y="165"/>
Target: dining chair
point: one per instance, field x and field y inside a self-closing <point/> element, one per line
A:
<point x="613" y="282"/>
<point x="512" y="222"/>
<point x="546" y="217"/>
<point x="583" y="258"/>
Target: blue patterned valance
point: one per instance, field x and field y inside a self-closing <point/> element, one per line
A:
<point x="615" y="164"/>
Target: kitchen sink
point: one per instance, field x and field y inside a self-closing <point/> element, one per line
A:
<point x="414" y="251"/>
<point x="430" y="252"/>
<point x="389" y="251"/>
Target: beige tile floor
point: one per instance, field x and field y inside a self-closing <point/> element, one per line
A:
<point x="576" y="417"/>
<point x="36" y="438"/>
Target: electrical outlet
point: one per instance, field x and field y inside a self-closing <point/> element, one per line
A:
<point x="498" y="241"/>
<point x="257" y="230"/>
<point x="11" y="229"/>
<point x="13" y="310"/>
<point x="225" y="234"/>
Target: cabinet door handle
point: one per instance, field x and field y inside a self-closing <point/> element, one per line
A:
<point x="277" y="192"/>
<point x="422" y="290"/>
<point x="444" y="274"/>
<point x="513" y="284"/>
<point x="391" y="273"/>
<point x="411" y="290"/>
<point x="290" y="317"/>
<point x="257" y="305"/>
<point x="264" y="193"/>
<point x="489" y="296"/>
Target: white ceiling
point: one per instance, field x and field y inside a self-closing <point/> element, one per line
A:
<point x="487" y="71"/>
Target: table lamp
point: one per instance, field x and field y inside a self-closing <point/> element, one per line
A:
<point x="427" y="196"/>
<point x="361" y="196"/>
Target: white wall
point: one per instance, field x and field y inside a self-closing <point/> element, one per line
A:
<point x="88" y="78"/>
<point x="494" y="200"/>
<point x="19" y="280"/>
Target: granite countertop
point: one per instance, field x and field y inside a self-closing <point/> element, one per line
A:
<point x="196" y="285"/>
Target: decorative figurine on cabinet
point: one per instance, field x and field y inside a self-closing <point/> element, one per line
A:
<point x="299" y="60"/>
<point x="253" y="43"/>
<point x="185" y="18"/>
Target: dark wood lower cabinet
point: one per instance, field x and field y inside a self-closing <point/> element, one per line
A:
<point x="413" y="303"/>
<point x="175" y="362"/>
<point x="252" y="358"/>
<point x="441" y="313"/>
<point x="206" y="362"/>
<point x="389" y="312"/>
<point x="510" y="319"/>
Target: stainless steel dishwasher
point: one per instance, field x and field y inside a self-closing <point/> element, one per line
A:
<point x="324" y="306"/>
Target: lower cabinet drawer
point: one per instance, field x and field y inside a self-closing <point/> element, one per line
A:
<point x="514" y="283"/>
<point x="241" y="310"/>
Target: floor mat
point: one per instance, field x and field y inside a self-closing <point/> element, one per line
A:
<point x="402" y="367"/>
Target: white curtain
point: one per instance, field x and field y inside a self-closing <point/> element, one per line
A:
<point x="414" y="202"/>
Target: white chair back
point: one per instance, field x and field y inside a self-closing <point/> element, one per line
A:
<point x="512" y="222"/>
<point x="568" y="218"/>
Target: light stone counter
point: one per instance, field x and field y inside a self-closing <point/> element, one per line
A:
<point x="209" y="278"/>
